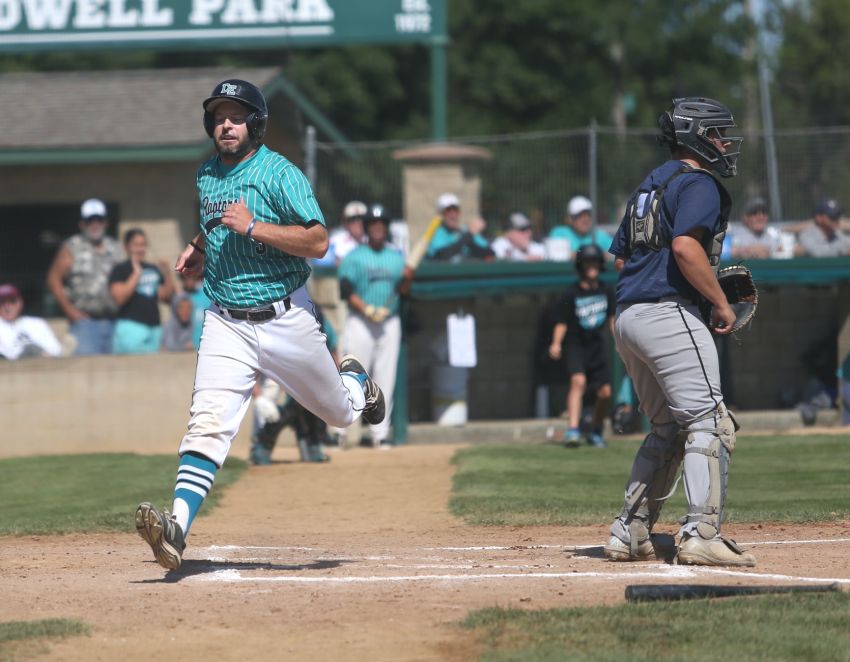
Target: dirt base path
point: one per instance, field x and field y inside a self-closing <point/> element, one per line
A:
<point x="357" y="559"/>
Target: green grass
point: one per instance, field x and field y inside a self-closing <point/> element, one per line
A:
<point x="776" y="628"/>
<point x="13" y="633"/>
<point x="779" y="479"/>
<point x="98" y="492"/>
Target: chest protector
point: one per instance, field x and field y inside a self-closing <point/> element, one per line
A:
<point x="646" y="229"/>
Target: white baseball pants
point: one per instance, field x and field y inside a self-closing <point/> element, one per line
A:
<point x="290" y="350"/>
<point x="376" y="345"/>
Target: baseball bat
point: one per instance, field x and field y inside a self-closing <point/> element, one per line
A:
<point x="417" y="252"/>
<point x="655" y="592"/>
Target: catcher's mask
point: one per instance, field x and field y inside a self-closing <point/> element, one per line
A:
<point x="587" y="255"/>
<point x="692" y="123"/>
<point x="246" y="94"/>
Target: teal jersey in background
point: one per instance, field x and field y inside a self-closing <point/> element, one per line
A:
<point x="444" y="237"/>
<point x="239" y="272"/>
<point x="597" y="236"/>
<point x="375" y="275"/>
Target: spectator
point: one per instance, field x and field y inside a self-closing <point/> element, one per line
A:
<point x="22" y="336"/>
<point x="824" y="237"/>
<point x="586" y="311"/>
<point x="517" y="244"/>
<point x="754" y="238"/>
<point x="454" y="242"/>
<point x="578" y="229"/>
<point x="136" y="287"/>
<point x="79" y="280"/>
<point x="193" y="287"/>
<point x="347" y="237"/>
<point x="371" y="279"/>
<point x="178" y="331"/>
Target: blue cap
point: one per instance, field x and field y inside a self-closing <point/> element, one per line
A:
<point x="829" y="207"/>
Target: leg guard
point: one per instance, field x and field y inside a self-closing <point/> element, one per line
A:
<point x="653" y="473"/>
<point x="708" y="453"/>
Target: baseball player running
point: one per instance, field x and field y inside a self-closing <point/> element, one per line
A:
<point x="667" y="249"/>
<point x="259" y="221"/>
<point x="371" y="278"/>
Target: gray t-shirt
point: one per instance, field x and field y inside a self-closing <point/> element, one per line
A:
<point x="816" y="244"/>
<point x="743" y="237"/>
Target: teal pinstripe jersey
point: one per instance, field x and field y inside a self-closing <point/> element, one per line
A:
<point x="240" y="272"/>
<point x="374" y="274"/>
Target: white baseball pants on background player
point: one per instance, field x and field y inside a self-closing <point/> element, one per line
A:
<point x="672" y="359"/>
<point x="291" y="350"/>
<point x="377" y="347"/>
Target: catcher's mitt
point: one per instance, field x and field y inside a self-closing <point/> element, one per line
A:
<point x="741" y="293"/>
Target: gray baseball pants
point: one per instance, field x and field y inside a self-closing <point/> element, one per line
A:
<point x="670" y="355"/>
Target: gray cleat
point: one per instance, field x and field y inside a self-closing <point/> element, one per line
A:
<point x="695" y="550"/>
<point x="375" y="409"/>
<point x="617" y="550"/>
<point x="161" y="531"/>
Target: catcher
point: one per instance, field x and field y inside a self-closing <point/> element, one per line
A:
<point x="667" y="251"/>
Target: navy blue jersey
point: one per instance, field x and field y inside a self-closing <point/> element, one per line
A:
<point x="690" y="201"/>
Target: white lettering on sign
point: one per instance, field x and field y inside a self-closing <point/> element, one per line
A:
<point x="413" y="22"/>
<point x="414" y="6"/>
<point x="10" y="14"/>
<point x="92" y="14"/>
<point x="37" y="15"/>
<point x="153" y="16"/>
<point x="415" y="16"/>
<point x="246" y="12"/>
<point x="47" y="14"/>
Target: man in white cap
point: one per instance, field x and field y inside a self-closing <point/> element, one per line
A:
<point x="579" y="230"/>
<point x="452" y="242"/>
<point x="79" y="280"/>
<point x="517" y="244"/>
<point x="350" y="234"/>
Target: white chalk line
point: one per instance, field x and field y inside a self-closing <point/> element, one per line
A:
<point x="657" y="572"/>
<point x="661" y="571"/>
<point x="212" y="550"/>
<point x="496" y="548"/>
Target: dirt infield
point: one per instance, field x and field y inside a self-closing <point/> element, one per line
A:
<point x="357" y="560"/>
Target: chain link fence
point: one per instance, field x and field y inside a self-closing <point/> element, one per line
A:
<point x="538" y="172"/>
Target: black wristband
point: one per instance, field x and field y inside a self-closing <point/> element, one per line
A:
<point x="196" y="247"/>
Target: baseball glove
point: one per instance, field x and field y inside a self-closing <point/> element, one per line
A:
<point x="741" y="293"/>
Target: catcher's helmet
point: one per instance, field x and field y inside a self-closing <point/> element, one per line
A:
<point x="377" y="212"/>
<point x="688" y="124"/>
<point x="589" y="253"/>
<point x="248" y="95"/>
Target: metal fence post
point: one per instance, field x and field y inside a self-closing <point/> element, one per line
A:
<point x="592" y="156"/>
<point x="310" y="156"/>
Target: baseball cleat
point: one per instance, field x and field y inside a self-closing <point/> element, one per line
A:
<point x="161" y="531"/>
<point x="375" y="409"/>
<point x="571" y="438"/>
<point x="596" y="440"/>
<point x="617" y="550"/>
<point x="696" y="550"/>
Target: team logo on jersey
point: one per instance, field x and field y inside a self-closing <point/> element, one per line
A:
<point x="591" y="311"/>
<point x="228" y="89"/>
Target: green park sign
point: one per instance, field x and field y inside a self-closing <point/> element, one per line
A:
<point x="39" y="25"/>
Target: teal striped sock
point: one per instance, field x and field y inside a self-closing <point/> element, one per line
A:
<point x="195" y="477"/>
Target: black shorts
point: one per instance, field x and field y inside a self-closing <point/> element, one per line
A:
<point x="592" y="360"/>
